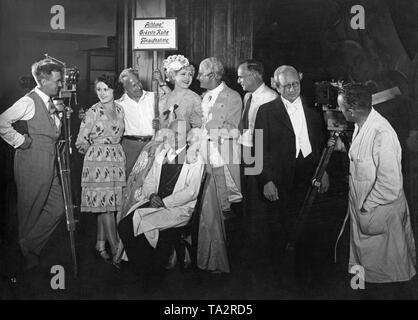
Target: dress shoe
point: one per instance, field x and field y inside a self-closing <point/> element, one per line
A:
<point x="104" y="256"/>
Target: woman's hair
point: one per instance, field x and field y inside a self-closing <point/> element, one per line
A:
<point x="111" y="82"/>
<point x="174" y="64"/>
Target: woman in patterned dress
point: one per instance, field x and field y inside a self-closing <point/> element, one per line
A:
<point x="103" y="175"/>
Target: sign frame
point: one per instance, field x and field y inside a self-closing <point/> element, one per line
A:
<point x="135" y="29"/>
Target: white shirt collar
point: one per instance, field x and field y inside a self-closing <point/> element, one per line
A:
<point x="126" y="97"/>
<point x="171" y="154"/>
<point x="370" y="118"/>
<point x="258" y="91"/>
<point x="45" y="98"/>
<point x="215" y="91"/>
<point x="287" y="103"/>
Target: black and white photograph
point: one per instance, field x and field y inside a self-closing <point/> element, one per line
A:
<point x="208" y="154"/>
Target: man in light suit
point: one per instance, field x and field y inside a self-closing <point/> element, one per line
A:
<point x="222" y="109"/>
<point x="293" y="139"/>
<point x="166" y="201"/>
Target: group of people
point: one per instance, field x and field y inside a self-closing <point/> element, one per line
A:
<point x="143" y="171"/>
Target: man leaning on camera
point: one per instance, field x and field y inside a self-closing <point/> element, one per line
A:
<point x="35" y="131"/>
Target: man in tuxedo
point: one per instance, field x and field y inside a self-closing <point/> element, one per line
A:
<point x="166" y="201"/>
<point x="293" y="139"/>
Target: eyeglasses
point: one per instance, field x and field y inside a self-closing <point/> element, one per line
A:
<point x="294" y="85"/>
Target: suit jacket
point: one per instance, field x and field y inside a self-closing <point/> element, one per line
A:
<point x="279" y="152"/>
<point x="227" y="108"/>
<point x="226" y="113"/>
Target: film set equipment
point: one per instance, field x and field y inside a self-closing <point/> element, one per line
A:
<point x="67" y="97"/>
<point x="326" y="94"/>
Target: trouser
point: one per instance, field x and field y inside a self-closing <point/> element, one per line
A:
<point x="132" y="149"/>
<point x="283" y="214"/>
<point x="145" y="258"/>
<point x="40" y="203"/>
<point x="11" y="259"/>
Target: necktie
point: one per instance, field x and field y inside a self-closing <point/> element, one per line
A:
<point x="244" y="121"/>
<point x="51" y="107"/>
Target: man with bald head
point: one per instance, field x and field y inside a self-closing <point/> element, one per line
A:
<point x="293" y="138"/>
<point x="138" y="106"/>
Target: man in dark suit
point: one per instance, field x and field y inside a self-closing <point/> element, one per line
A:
<point x="293" y="139"/>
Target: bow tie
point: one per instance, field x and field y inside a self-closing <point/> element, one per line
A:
<point x="167" y="112"/>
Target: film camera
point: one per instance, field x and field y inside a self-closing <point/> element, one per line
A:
<point x="71" y="76"/>
<point x="326" y="93"/>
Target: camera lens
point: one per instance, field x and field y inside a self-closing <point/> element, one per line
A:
<point x="72" y="75"/>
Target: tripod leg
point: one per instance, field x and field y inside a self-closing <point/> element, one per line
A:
<point x="311" y="194"/>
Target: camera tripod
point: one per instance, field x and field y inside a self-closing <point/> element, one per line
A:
<point x="63" y="149"/>
<point x="314" y="187"/>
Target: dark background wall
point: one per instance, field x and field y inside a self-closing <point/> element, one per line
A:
<point x="26" y="35"/>
<point x="87" y="42"/>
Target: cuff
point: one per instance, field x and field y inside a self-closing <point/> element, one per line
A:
<point x="19" y="141"/>
<point x="166" y="201"/>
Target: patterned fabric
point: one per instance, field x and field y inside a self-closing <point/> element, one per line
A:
<point x="143" y="164"/>
<point x="103" y="176"/>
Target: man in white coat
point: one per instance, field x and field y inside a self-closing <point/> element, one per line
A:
<point x="381" y="238"/>
<point x="166" y="201"/>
